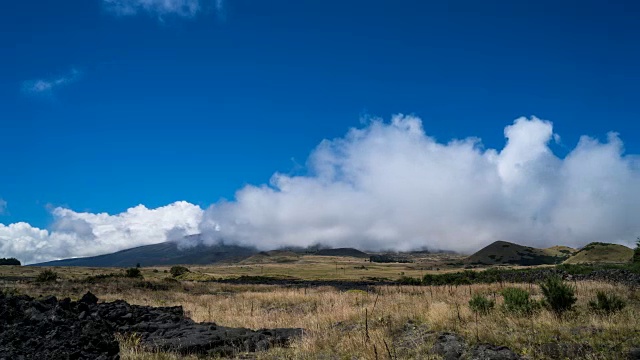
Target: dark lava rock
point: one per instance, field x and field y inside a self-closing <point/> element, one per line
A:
<point x="453" y="347"/>
<point x="48" y="329"/>
<point x="449" y="346"/>
<point x="634" y="354"/>
<point x="491" y="352"/>
<point x="52" y="329"/>
<point x="89" y="299"/>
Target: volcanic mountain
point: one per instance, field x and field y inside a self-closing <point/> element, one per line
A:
<point x="166" y="253"/>
<point x="503" y="252"/>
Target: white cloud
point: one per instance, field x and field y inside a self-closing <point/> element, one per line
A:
<point x="76" y="234"/>
<point x="160" y="8"/>
<point x="3" y="206"/>
<point x="389" y="185"/>
<point x="47" y="86"/>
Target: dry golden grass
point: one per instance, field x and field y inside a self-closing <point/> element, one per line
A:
<point x="389" y="321"/>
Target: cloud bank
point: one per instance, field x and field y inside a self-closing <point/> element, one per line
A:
<point x="75" y="234"/>
<point x="160" y="8"/>
<point x="389" y="185"/>
<point x="48" y="86"/>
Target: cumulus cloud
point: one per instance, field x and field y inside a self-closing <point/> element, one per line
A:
<point x="48" y="86"/>
<point x="161" y="8"/>
<point x="388" y="185"/>
<point x="391" y="186"/>
<point x="75" y="234"/>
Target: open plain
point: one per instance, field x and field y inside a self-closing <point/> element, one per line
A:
<point x="351" y="308"/>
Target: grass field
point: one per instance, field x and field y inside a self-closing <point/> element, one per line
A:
<point x="387" y="322"/>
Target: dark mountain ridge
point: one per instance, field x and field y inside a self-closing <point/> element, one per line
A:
<point x="166" y="253"/>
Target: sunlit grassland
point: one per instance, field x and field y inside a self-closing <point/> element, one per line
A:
<point x="387" y="321"/>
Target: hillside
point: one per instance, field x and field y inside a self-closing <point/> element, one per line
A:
<point x="166" y="253"/>
<point x="273" y="256"/>
<point x="601" y="253"/>
<point x="342" y="252"/>
<point x="502" y="252"/>
<point x="561" y="251"/>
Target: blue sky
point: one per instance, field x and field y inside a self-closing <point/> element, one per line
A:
<point x="104" y="108"/>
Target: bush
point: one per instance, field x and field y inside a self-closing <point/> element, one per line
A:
<point x="408" y="280"/>
<point x="559" y="296"/>
<point x="47" y="276"/>
<point x="517" y="301"/>
<point x="481" y="305"/>
<point x="101" y="277"/>
<point x="148" y="285"/>
<point x="178" y="270"/>
<point x="429" y="279"/>
<point x="636" y="252"/>
<point x="133" y="273"/>
<point x="607" y="304"/>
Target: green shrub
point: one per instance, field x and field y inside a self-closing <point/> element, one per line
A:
<point x="408" y="280"/>
<point x="559" y="297"/>
<point x="636" y="252"/>
<point x="101" y="277"/>
<point x="518" y="301"/>
<point x="481" y="305"/>
<point x="607" y="304"/>
<point x="429" y="279"/>
<point x="133" y="273"/>
<point x="178" y="270"/>
<point x="47" y="276"/>
<point x="148" y="285"/>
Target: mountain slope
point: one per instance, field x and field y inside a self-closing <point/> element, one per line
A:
<point x="271" y="257"/>
<point x="601" y="253"/>
<point x="342" y="252"/>
<point x="166" y="253"/>
<point x="502" y="252"/>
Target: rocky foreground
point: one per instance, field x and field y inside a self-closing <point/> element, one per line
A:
<point x="63" y="329"/>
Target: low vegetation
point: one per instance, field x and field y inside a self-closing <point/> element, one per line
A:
<point x="607" y="303"/>
<point x="133" y="273"/>
<point x="559" y="296"/>
<point x="47" y="276"/>
<point x="518" y="302"/>
<point x="178" y="270"/>
<point x="481" y="305"/>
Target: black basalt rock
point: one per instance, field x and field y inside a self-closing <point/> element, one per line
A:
<point x="52" y="329"/>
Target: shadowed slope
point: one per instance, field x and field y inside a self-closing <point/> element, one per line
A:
<point x="166" y="253"/>
<point x="502" y="252"/>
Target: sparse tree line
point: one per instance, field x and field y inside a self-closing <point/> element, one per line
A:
<point x="9" y="261"/>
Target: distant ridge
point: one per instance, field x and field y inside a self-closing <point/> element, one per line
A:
<point x="166" y="253"/>
<point x="503" y="252"/>
<point x="342" y="252"/>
